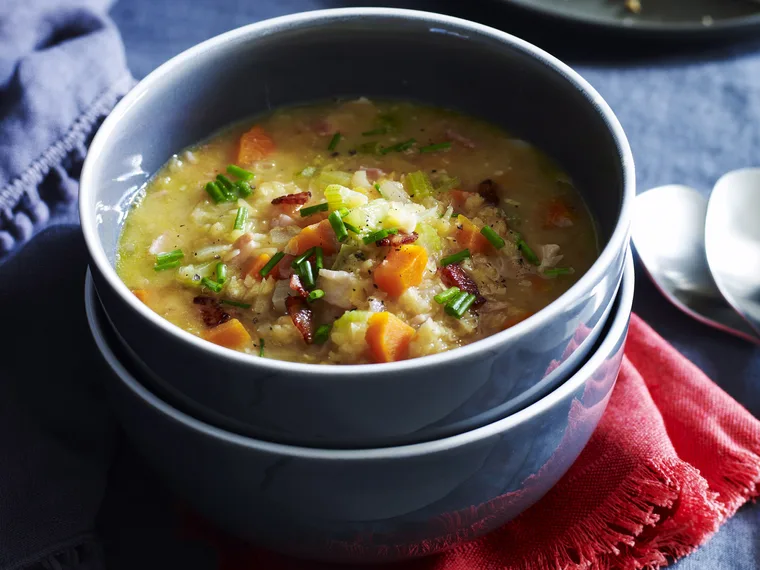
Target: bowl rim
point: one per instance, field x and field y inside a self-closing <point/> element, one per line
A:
<point x="436" y="23"/>
<point x="617" y="330"/>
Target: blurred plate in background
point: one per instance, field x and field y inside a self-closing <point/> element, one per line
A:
<point x="657" y="17"/>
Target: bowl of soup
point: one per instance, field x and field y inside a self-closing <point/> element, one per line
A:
<point x="358" y="227"/>
<point x="369" y="505"/>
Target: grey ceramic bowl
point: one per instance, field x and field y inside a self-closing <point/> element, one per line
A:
<point x="317" y="55"/>
<point x="371" y="505"/>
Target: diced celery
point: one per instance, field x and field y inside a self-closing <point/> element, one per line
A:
<point x="339" y="196"/>
<point x="349" y="318"/>
<point x="367" y="217"/>
<point x="346" y="251"/>
<point x="444" y="183"/>
<point x="418" y="185"/>
<point x="327" y="177"/>
<point x="429" y="238"/>
<point x="191" y="275"/>
<point x="393" y="191"/>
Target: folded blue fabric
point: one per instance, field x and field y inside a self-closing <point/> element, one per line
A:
<point x="62" y="68"/>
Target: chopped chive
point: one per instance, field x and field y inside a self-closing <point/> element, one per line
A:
<point x="378" y="235"/>
<point x="226" y="186"/>
<point x="314" y="295"/>
<point x="213" y="190"/>
<point x="446" y="296"/>
<point x="527" y="252"/>
<point x="558" y="271"/>
<point x="261" y="347"/>
<point x="314" y="209"/>
<point x="377" y="187"/>
<point x="162" y="258"/>
<point x="235" y="304"/>
<point x="436" y="147"/>
<point x="455" y="258"/>
<point x="241" y="218"/>
<point x="267" y="269"/>
<point x="458" y="305"/>
<point x="338" y="226"/>
<point x="167" y="265"/>
<point x="378" y="131"/>
<point x="212" y="285"/>
<point x="334" y="141"/>
<point x="400" y="147"/>
<point x="303" y="257"/>
<point x="306" y="273"/>
<point x="221" y="273"/>
<point x="372" y="147"/>
<point x="496" y="240"/>
<point x="308" y="172"/>
<point x="240" y="173"/>
<point x="322" y="334"/>
<point x="319" y="262"/>
<point x="352" y="228"/>
<point x="243" y="188"/>
<point x="343" y="211"/>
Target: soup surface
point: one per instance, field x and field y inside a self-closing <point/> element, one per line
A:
<point x="355" y="232"/>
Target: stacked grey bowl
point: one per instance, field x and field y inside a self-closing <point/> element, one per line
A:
<point x="363" y="463"/>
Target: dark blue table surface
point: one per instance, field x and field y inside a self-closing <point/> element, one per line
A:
<point x="692" y="112"/>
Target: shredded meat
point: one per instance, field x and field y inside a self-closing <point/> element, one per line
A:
<point x="489" y="191"/>
<point x="298" y="198"/>
<point x="211" y="311"/>
<point x="302" y="317"/>
<point x="297" y="286"/>
<point x="454" y="276"/>
<point x="461" y="139"/>
<point x="396" y="240"/>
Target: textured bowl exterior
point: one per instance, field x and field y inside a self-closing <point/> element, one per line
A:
<point x="371" y="505"/>
<point x="315" y="56"/>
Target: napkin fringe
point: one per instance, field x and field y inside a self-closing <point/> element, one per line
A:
<point x="25" y="203"/>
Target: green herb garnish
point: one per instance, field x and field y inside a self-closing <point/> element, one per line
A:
<point x="216" y="193"/>
<point x="435" y="147"/>
<point x="243" y="188"/>
<point x="241" y="218"/>
<point x="399" y="147"/>
<point x="496" y="240"/>
<point x="338" y="226"/>
<point x="447" y="295"/>
<point x="455" y="258"/>
<point x="212" y="285"/>
<point x="378" y="235"/>
<point x="527" y="252"/>
<point x="303" y="257"/>
<point x="168" y="260"/>
<point x="323" y="207"/>
<point x="319" y="262"/>
<point x="322" y="334"/>
<point x="558" y="271"/>
<point x="334" y="142"/>
<point x="314" y="295"/>
<point x="240" y="173"/>
<point x="378" y="131"/>
<point x="235" y="304"/>
<point x="261" y="347"/>
<point x="458" y="305"/>
<point x="306" y="273"/>
<point x="267" y="269"/>
<point x="221" y="273"/>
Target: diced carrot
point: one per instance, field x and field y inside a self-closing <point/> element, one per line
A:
<point x="515" y="319"/>
<point x="459" y="197"/>
<point x="255" y="144"/>
<point x="319" y="234"/>
<point x="231" y="334"/>
<point x="557" y="214"/>
<point x="255" y="265"/>
<point x="401" y="269"/>
<point x="468" y="236"/>
<point x="141" y="294"/>
<point x="388" y="337"/>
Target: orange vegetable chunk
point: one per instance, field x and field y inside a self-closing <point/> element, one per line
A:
<point x="468" y="236"/>
<point x="231" y="334"/>
<point x="388" y="337"/>
<point x="459" y="197"/>
<point x="257" y="264"/>
<point x="401" y="269"/>
<point x="320" y="234"/>
<point x="255" y="144"/>
<point x="141" y="294"/>
<point x="558" y="215"/>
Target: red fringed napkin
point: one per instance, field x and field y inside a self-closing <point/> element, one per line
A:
<point x="673" y="457"/>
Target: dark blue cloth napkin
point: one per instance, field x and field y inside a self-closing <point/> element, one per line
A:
<point x="62" y="69"/>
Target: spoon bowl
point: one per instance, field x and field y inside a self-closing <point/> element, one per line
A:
<point x="732" y="241"/>
<point x="668" y="233"/>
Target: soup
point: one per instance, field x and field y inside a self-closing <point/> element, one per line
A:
<point x="355" y="232"/>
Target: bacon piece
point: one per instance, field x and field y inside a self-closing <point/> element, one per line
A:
<point x="373" y="174"/>
<point x="297" y="286"/>
<point x="211" y="311"/>
<point x="454" y="276"/>
<point x="297" y="198"/>
<point x="461" y="139"/>
<point x="488" y="189"/>
<point x="302" y="317"/>
<point x="396" y="240"/>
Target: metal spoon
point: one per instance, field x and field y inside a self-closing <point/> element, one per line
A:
<point x="669" y="236"/>
<point x="732" y="241"/>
